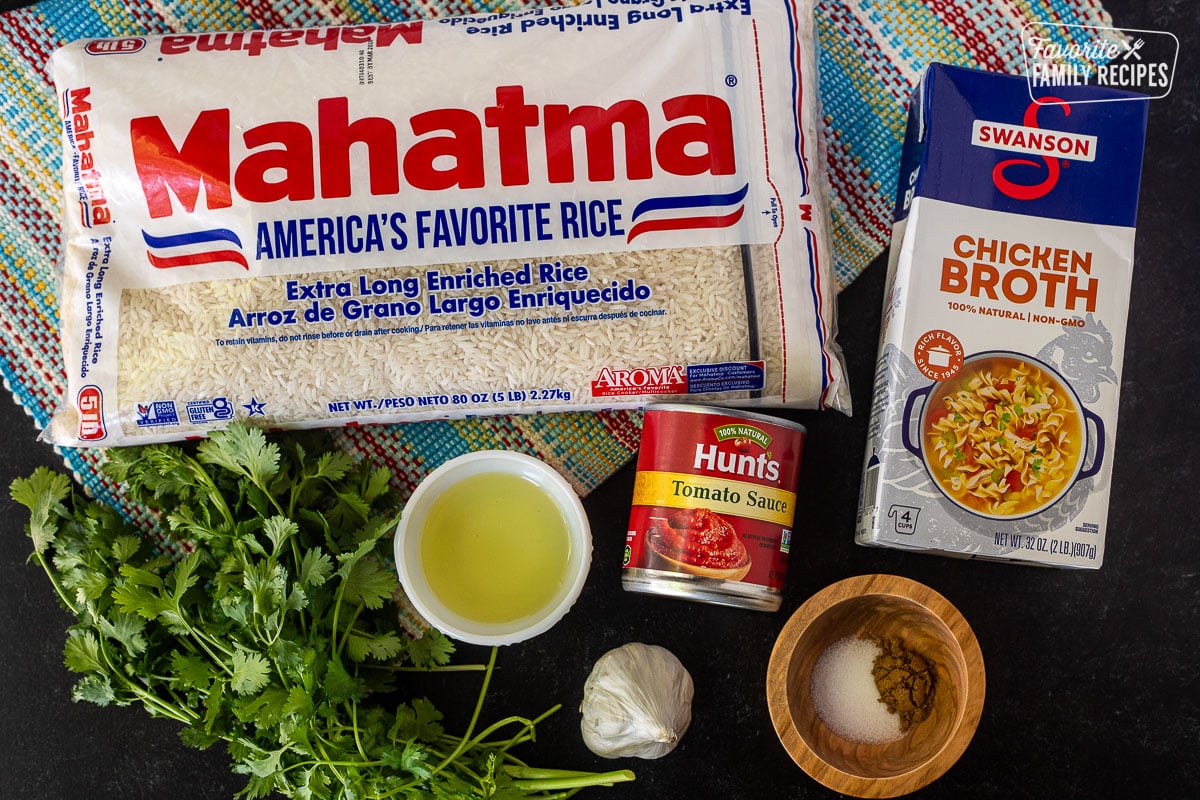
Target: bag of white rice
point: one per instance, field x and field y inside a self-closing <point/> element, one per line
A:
<point x="546" y="210"/>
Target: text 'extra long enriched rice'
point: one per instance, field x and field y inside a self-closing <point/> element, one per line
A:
<point x="546" y="210"/>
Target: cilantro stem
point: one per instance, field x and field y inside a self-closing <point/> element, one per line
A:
<point x="297" y="561"/>
<point x="444" y="668"/>
<point x="333" y="628"/>
<point x="337" y="651"/>
<point x="333" y="765"/>
<point x="466" y="737"/>
<point x="200" y="640"/>
<point x="525" y="735"/>
<point x="353" y="706"/>
<point x="487" y="679"/>
<point x="54" y="582"/>
<point x="527" y="726"/>
<point x="204" y="478"/>
<point x="324" y="762"/>
<point x="539" y="773"/>
<point x="575" y="781"/>
<point x="180" y="714"/>
<point x="266" y="493"/>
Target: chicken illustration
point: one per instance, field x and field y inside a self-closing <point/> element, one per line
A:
<point x="1084" y="357"/>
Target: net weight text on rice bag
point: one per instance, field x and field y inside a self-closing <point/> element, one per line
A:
<point x="544" y="210"/>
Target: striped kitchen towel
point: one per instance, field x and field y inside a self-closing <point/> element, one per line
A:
<point x="872" y="52"/>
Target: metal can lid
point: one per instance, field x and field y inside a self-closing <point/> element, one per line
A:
<point x="728" y="412"/>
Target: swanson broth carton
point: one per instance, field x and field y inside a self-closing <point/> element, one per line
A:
<point x="995" y="402"/>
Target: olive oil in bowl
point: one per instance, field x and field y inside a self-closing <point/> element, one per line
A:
<point x="495" y="548"/>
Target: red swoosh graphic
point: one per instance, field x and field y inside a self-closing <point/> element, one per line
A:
<point x="684" y="223"/>
<point x="159" y="262"/>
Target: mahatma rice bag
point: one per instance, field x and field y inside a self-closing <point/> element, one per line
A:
<point x="544" y="210"/>
<point x="994" y="414"/>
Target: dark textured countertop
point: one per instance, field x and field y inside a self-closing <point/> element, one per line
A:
<point x="1092" y="687"/>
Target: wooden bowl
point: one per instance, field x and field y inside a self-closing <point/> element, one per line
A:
<point x="886" y="606"/>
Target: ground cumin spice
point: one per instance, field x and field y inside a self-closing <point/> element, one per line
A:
<point x="905" y="681"/>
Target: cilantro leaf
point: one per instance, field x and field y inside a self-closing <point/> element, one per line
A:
<point x="137" y="599"/>
<point x="299" y="703"/>
<point x="413" y="759"/>
<point x="266" y="766"/>
<point x="351" y="510"/>
<point x="340" y="686"/>
<point x="314" y="784"/>
<point x="370" y="583"/>
<point x="195" y="736"/>
<point x="82" y="653"/>
<point x="128" y="629"/>
<point x="126" y="547"/>
<point x="251" y="672"/>
<point x="94" y="689"/>
<point x="315" y="567"/>
<point x="266" y="584"/>
<point x="431" y="649"/>
<point x="278" y="530"/>
<point x="265" y="710"/>
<point x="42" y="493"/>
<point x="89" y="585"/>
<point x="360" y="646"/>
<point x="190" y="671"/>
<point x="331" y="466"/>
<point x="378" y="484"/>
<point x="257" y="785"/>
<point x="418" y="720"/>
<point x="242" y="449"/>
<point x="184" y="577"/>
<point x="287" y="655"/>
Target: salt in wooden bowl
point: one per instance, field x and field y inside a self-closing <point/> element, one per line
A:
<point x="926" y="623"/>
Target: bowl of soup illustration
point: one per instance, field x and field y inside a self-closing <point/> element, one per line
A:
<point x="1005" y="438"/>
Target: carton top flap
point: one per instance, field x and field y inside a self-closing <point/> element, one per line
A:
<point x="983" y="141"/>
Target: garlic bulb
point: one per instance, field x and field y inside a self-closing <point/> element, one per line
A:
<point x="637" y="702"/>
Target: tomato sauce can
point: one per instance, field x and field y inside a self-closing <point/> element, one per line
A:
<point x="714" y="502"/>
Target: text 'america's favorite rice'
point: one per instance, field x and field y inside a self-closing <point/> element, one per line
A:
<point x="546" y="210"/>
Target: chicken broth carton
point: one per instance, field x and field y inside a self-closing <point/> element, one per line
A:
<point x="995" y="401"/>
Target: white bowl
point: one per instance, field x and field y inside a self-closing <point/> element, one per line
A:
<point x="408" y="547"/>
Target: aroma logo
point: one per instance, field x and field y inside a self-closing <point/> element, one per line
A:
<point x="611" y="382"/>
<point x="1029" y="138"/>
<point x="433" y="150"/>
<point x="90" y="404"/>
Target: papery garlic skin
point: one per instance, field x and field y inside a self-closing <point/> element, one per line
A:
<point x="636" y="702"/>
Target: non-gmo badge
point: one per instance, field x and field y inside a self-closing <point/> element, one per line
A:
<point x="1063" y="63"/>
<point x="157" y="414"/>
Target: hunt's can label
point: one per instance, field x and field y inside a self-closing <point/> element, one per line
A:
<point x="714" y="502"/>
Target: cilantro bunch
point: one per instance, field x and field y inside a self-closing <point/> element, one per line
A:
<point x="276" y="630"/>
